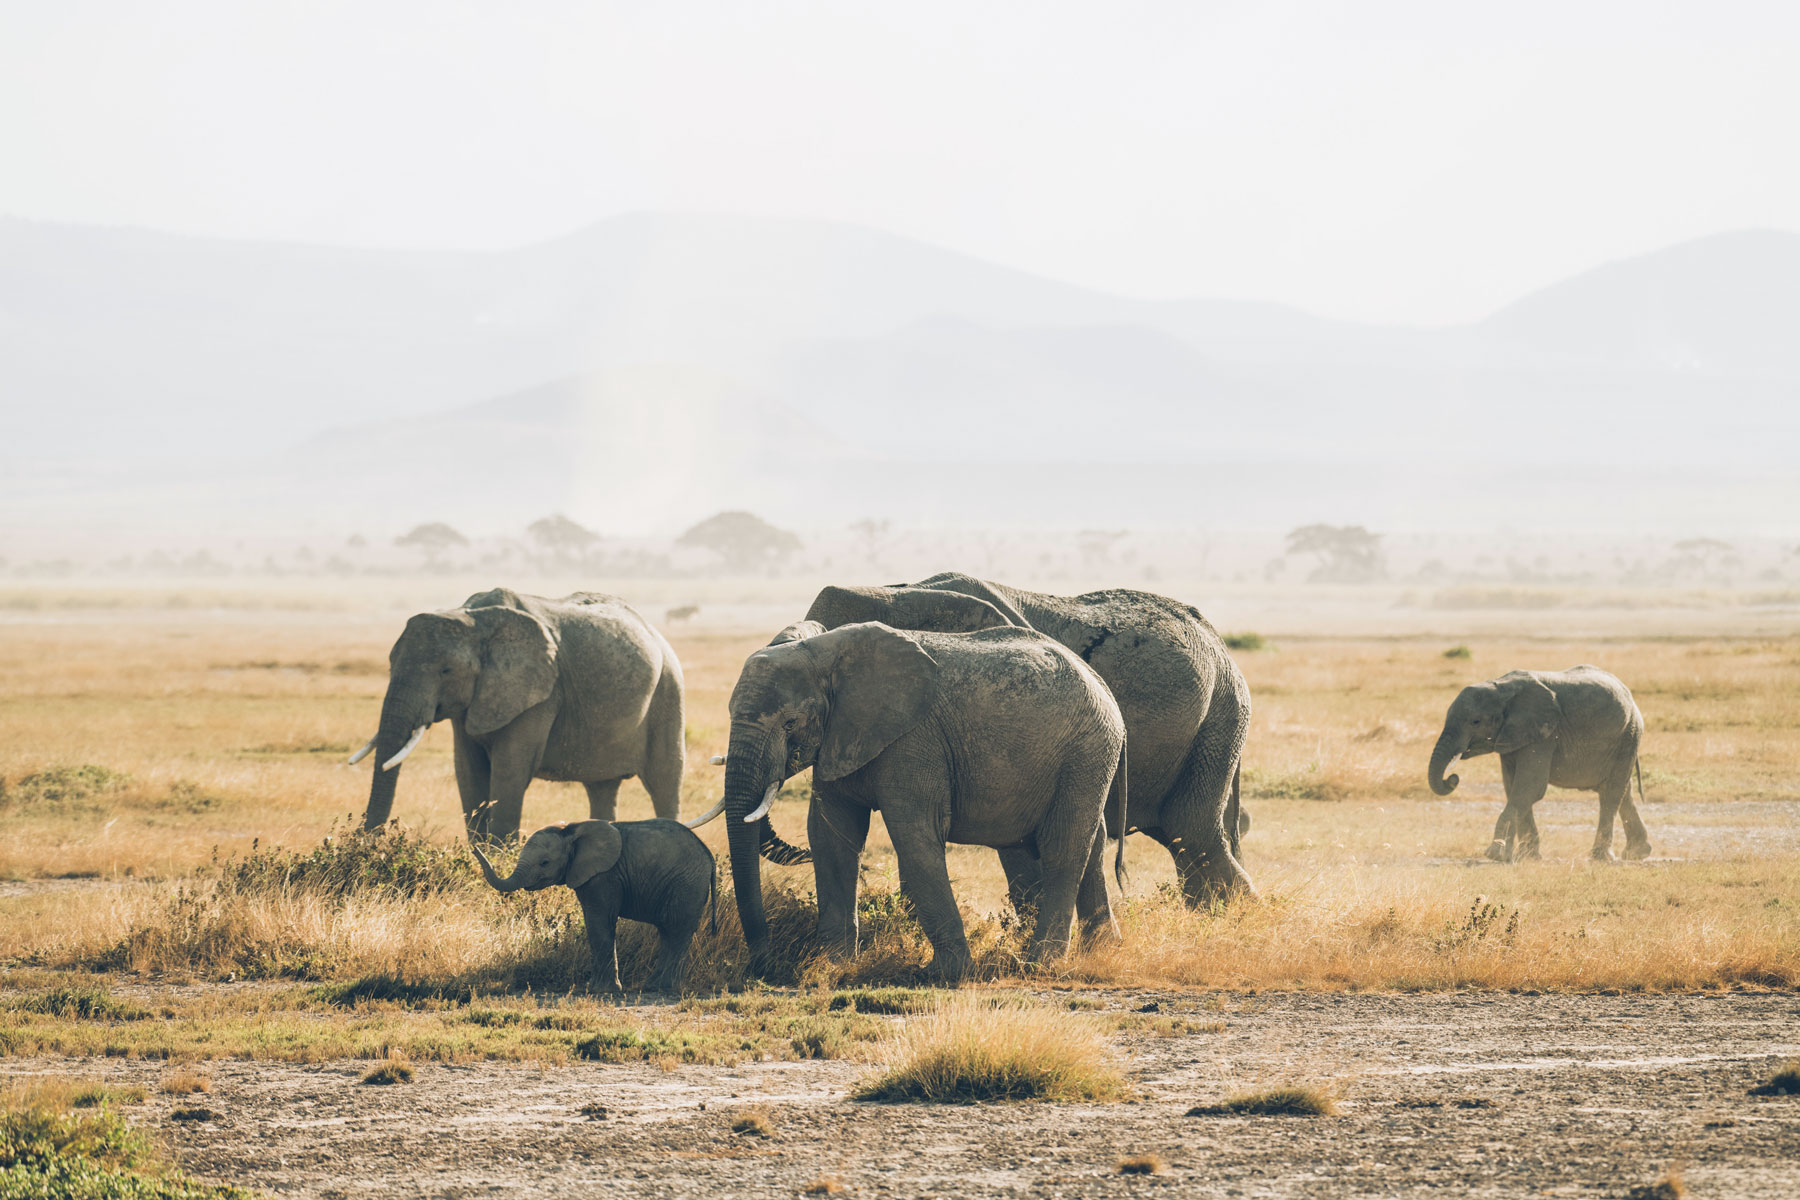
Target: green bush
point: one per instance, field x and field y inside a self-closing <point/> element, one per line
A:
<point x="80" y="1004"/>
<point x="1459" y="652"/>
<point x="1245" y="641"/>
<point x="47" y="1155"/>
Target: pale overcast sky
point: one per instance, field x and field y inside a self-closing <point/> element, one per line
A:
<point x="1385" y="161"/>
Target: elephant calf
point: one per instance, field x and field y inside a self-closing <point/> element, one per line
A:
<point x="1572" y="729"/>
<point x="658" y="872"/>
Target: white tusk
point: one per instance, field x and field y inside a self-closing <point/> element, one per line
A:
<point x="718" y="760"/>
<point x="405" y="750"/>
<point x="762" y="809"/>
<point x="708" y="815"/>
<point x="363" y="753"/>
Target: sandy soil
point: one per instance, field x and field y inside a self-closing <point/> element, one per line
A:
<point x="1443" y="1095"/>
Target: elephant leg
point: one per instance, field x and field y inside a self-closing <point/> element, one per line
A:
<point x="1073" y="826"/>
<point x="673" y="943"/>
<point x="601" y="912"/>
<point x="512" y="761"/>
<point x="1609" y="808"/>
<point x="1192" y="818"/>
<point x="665" y="756"/>
<point x="603" y="799"/>
<point x="925" y="881"/>
<point x="471" y="776"/>
<point x="1024" y="878"/>
<point x="1505" y="831"/>
<point x="1092" y="908"/>
<point x="1637" y="838"/>
<point x="1526" y="783"/>
<point x="836" y="831"/>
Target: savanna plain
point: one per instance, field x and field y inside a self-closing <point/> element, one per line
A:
<point x="210" y="980"/>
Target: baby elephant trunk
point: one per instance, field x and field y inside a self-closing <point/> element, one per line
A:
<point x="507" y="884"/>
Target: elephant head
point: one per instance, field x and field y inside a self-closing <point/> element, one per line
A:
<point x="1500" y="716"/>
<point x="827" y="700"/>
<point x="570" y="853"/>
<point x="905" y="607"/>
<point x="485" y="665"/>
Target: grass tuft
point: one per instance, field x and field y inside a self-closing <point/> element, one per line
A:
<point x="1459" y="652"/>
<point x="1669" y="1187"/>
<point x="394" y="1070"/>
<point x="754" y="1122"/>
<point x="824" y="1185"/>
<point x="1785" y="1082"/>
<point x="80" y="1004"/>
<point x="972" y="1049"/>
<point x="1245" y="641"/>
<point x="1290" y="1101"/>
<point x="1144" y="1164"/>
<point x="185" y="1082"/>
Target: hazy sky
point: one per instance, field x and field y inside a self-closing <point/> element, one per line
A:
<point x="1389" y="161"/>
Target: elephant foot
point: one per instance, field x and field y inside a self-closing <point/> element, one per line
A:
<point x="1637" y="850"/>
<point x="1498" y="852"/>
<point x="1604" y="854"/>
<point x="948" y="970"/>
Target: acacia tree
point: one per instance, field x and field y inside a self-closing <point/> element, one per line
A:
<point x="566" y="541"/>
<point x="1345" y="553"/>
<point x="435" y="538"/>
<point x="743" y="540"/>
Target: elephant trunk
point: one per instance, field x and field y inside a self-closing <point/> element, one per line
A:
<point x="508" y="884"/>
<point x="402" y="712"/>
<point x="1449" y="745"/>
<point x="750" y="770"/>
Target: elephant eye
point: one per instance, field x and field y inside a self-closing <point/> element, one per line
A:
<point x="791" y="723"/>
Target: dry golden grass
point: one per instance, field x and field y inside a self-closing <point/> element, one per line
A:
<point x="184" y="1081"/>
<point x="974" y="1048"/>
<point x="1144" y="1164"/>
<point x="217" y="734"/>
<point x="1290" y="1100"/>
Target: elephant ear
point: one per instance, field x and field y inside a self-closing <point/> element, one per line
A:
<point x="798" y="631"/>
<point x="881" y="683"/>
<point x="518" y="668"/>
<point x="906" y="607"/>
<point x="1531" y="715"/>
<point x="597" y="846"/>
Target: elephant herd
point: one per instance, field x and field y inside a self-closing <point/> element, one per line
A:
<point x="961" y="709"/>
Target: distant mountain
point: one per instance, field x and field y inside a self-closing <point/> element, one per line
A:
<point x="647" y="367"/>
<point x="1727" y="305"/>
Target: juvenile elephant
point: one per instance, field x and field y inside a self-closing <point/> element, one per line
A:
<point x="579" y="689"/>
<point x="658" y="872"/>
<point x="1573" y="729"/>
<point x="1000" y="738"/>
<point x="1185" y="703"/>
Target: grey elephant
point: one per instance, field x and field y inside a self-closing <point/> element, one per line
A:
<point x="1578" y="729"/>
<point x="658" y="872"/>
<point x="579" y="689"/>
<point x="1185" y="703"/>
<point x="1000" y="738"/>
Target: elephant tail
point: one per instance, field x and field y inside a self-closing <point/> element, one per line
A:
<point x="1115" y="816"/>
<point x="1637" y="765"/>
<point x="1234" y="813"/>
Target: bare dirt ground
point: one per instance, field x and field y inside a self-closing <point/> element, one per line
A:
<point x="1461" y="1094"/>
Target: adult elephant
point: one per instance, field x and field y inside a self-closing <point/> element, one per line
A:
<point x="999" y="738"/>
<point x="1572" y="729"/>
<point x="1185" y="703"/>
<point x="579" y="689"/>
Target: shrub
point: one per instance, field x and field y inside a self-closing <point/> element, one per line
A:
<point x="63" y="787"/>
<point x="1459" y="652"/>
<point x="973" y="1049"/>
<point x="1785" y="1082"/>
<point x="391" y="860"/>
<point x="1291" y="1101"/>
<point x="882" y="1001"/>
<point x="1245" y="641"/>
